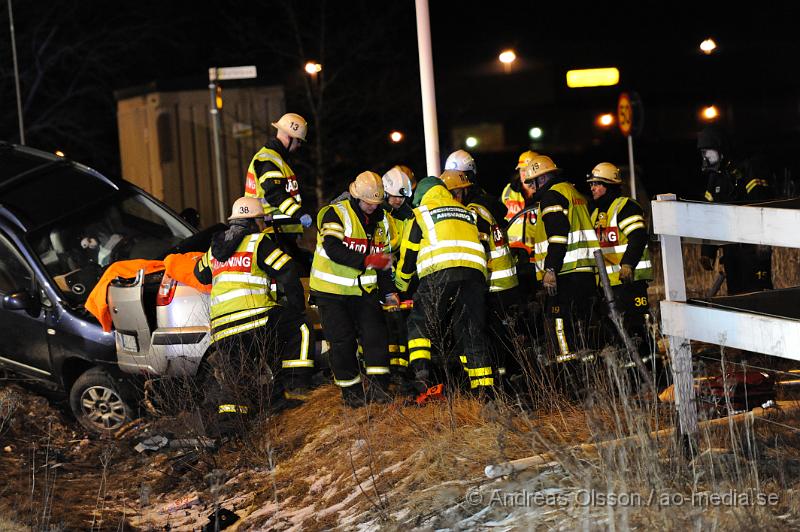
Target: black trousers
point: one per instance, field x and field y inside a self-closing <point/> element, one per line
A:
<point x="632" y="303"/>
<point x="748" y="268"/>
<point x="450" y="303"/>
<point x="502" y="326"/>
<point x="569" y="314"/>
<point x="348" y="321"/>
<point x="251" y="366"/>
<point x="397" y="330"/>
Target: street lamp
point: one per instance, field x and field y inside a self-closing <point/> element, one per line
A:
<point x="710" y="113"/>
<point x="396" y="136"/>
<point x="313" y="68"/>
<point x="507" y="57"/>
<point x="605" y="120"/>
<point x="708" y="46"/>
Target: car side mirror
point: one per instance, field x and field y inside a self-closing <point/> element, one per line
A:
<point x="19" y="301"/>
<point x="191" y="216"/>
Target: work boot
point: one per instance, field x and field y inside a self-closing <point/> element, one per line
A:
<point x="353" y="396"/>
<point x="300" y="393"/>
<point x="378" y="390"/>
<point x="484" y="393"/>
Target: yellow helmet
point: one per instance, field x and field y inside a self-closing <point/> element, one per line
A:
<point x="454" y="179"/>
<point x="525" y="157"/>
<point x="539" y="165"/>
<point x="246" y="208"/>
<point x="605" y="173"/>
<point x="368" y="187"/>
<point x="293" y="125"/>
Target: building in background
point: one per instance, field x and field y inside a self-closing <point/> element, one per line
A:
<point x="165" y="141"/>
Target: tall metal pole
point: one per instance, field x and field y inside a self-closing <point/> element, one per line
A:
<point x="630" y="163"/>
<point x="428" y="90"/>
<point x="16" y="74"/>
<point x="216" y="127"/>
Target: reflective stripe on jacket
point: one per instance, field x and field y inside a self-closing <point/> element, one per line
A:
<point x="613" y="237"/>
<point x="331" y="277"/>
<point x="522" y="233"/>
<point x="449" y="237"/>
<point x="500" y="263"/>
<point x="513" y="200"/>
<point x="241" y="292"/>
<point x="254" y="188"/>
<point x="581" y="241"/>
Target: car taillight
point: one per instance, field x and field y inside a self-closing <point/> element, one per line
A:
<point x="166" y="291"/>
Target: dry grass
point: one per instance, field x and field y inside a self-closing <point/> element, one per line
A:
<point x="323" y="465"/>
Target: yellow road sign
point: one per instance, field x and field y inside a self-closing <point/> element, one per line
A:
<point x="625" y="114"/>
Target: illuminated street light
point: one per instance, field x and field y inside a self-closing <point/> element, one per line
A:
<point x="605" y="120"/>
<point x="535" y="133"/>
<point x="710" y="113"/>
<point x="708" y="46"/>
<point x="60" y="153"/>
<point x="471" y="142"/>
<point x="507" y="57"/>
<point x="396" y="136"/>
<point x="313" y="68"/>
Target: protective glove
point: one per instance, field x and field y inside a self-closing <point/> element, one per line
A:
<point x="625" y="273"/>
<point x="378" y="261"/>
<point x="549" y="282"/>
<point x="391" y="300"/>
<point x="706" y="263"/>
<point x="306" y="221"/>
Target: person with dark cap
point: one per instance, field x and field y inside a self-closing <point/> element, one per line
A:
<point x="563" y="249"/>
<point x="748" y="267"/>
<point x="442" y="247"/>
<point x="248" y="318"/>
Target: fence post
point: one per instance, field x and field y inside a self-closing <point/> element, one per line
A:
<point x="679" y="348"/>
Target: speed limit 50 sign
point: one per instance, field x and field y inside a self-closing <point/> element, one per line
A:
<point x="625" y="114"/>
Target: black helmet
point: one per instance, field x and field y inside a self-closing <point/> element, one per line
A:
<point x="711" y="138"/>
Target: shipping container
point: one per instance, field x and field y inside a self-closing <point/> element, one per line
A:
<point x="166" y="144"/>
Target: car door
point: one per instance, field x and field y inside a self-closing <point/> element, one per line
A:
<point x="23" y="332"/>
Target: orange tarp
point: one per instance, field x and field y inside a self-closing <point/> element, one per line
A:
<point x="97" y="302"/>
<point x="181" y="268"/>
<point x="178" y="266"/>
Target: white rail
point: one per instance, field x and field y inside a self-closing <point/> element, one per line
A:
<point x="682" y="322"/>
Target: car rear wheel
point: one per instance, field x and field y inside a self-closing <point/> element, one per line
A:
<point x="99" y="401"/>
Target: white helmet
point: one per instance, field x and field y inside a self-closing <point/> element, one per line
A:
<point x="293" y="125"/>
<point x="246" y="208"/>
<point x="397" y="183"/>
<point x="460" y="160"/>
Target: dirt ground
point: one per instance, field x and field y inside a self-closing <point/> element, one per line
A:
<point x="396" y="467"/>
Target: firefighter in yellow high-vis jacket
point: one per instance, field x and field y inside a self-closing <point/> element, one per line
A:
<point x="248" y="320"/>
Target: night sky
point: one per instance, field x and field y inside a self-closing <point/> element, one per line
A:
<point x="74" y="55"/>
